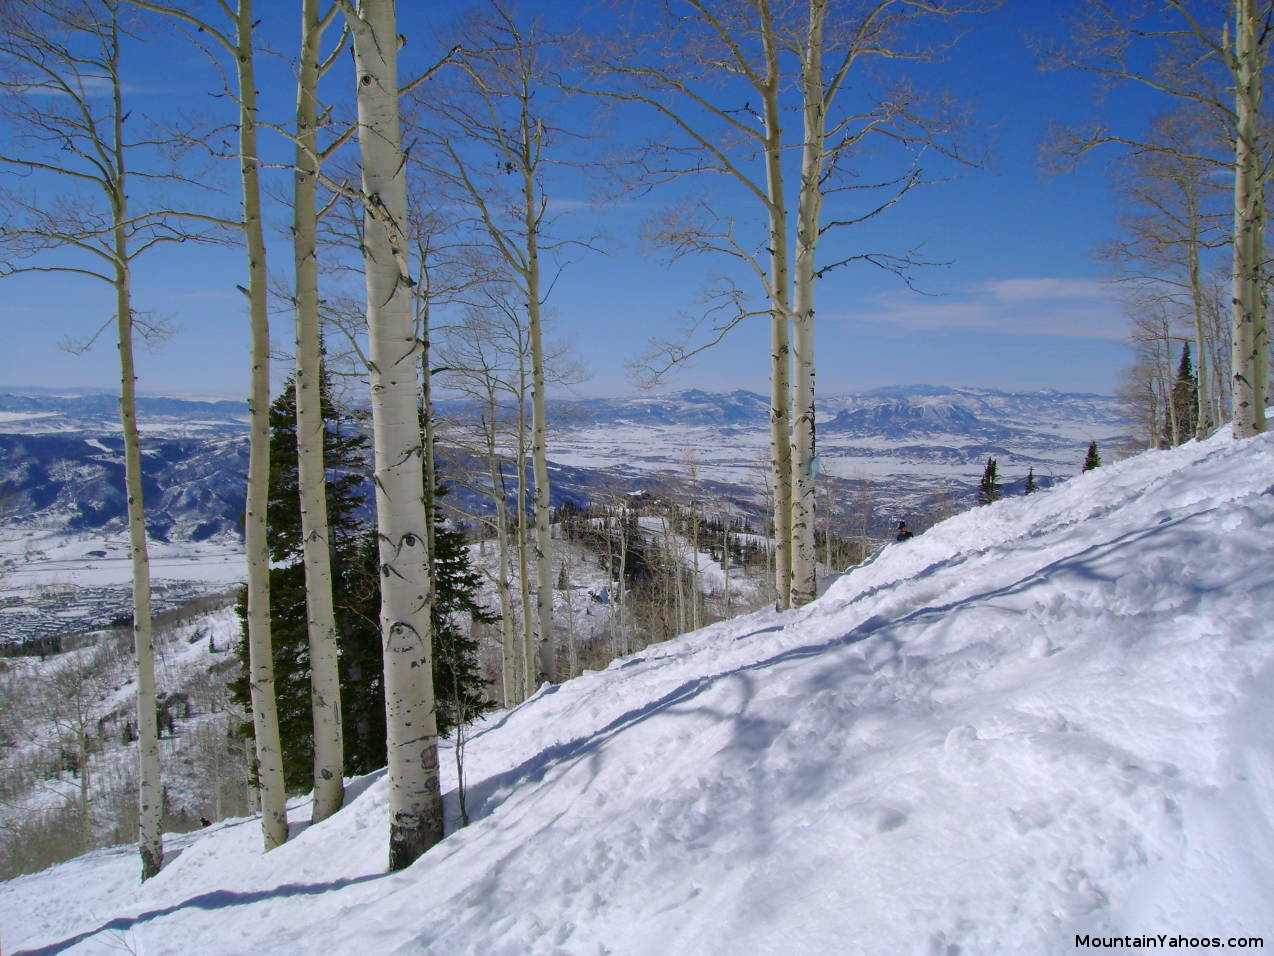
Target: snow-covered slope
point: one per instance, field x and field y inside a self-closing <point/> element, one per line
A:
<point x="1044" y="718"/>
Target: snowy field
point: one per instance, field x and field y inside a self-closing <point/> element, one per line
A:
<point x="41" y="559"/>
<point x="1039" y="724"/>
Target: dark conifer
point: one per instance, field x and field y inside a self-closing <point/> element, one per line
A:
<point x="1030" y="482"/>
<point x="356" y="589"/>
<point x="345" y="454"/>
<point x="1185" y="400"/>
<point x="989" y="488"/>
<point x="1092" y="459"/>
<point x="457" y="678"/>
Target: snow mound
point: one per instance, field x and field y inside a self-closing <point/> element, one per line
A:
<point x="1042" y="720"/>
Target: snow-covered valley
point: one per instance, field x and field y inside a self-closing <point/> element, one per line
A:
<point x="1037" y="724"/>
<point x="910" y="452"/>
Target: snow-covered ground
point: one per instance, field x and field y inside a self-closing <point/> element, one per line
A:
<point x="1041" y="721"/>
<point x="194" y="658"/>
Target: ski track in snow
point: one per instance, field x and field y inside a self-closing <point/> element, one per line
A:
<point x="1046" y="717"/>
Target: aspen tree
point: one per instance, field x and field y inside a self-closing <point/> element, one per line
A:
<point x="274" y="822"/>
<point x="1173" y="219"/>
<point x="238" y="43"/>
<point x="711" y="54"/>
<point x="56" y="59"/>
<point x="325" y="687"/>
<point x="487" y="358"/>
<point x="1196" y="61"/>
<point x="485" y="354"/>
<point x="808" y="227"/>
<point x="494" y="123"/>
<point x="1247" y="59"/>
<point x="415" y="798"/>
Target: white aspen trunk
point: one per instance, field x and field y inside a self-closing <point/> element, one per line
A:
<point x="150" y="832"/>
<point x="725" y="561"/>
<point x="1174" y="427"/>
<point x="827" y="526"/>
<point x="150" y="828"/>
<point x="429" y="473"/>
<point x="547" y="644"/>
<point x="1217" y="324"/>
<point x="81" y="743"/>
<point x="415" y="799"/>
<point x="529" y="620"/>
<point x="809" y="203"/>
<point x="1250" y="336"/>
<point x="274" y="823"/>
<point x="673" y="557"/>
<point x="622" y="592"/>
<point x="696" y="590"/>
<point x="572" y="660"/>
<point x="325" y="683"/>
<point x="508" y="636"/>
<point x="780" y="319"/>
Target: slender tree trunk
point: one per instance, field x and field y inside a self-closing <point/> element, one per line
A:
<point x="1203" y="391"/>
<point x="265" y="722"/>
<point x="1174" y="426"/>
<point x="510" y="687"/>
<point x="425" y="423"/>
<point x="530" y="621"/>
<point x="86" y="779"/>
<point x="572" y="659"/>
<point x="150" y="830"/>
<point x="1251" y="337"/>
<point x="415" y="799"/>
<point x="696" y="588"/>
<point x="827" y="525"/>
<point x="725" y="561"/>
<point x="672" y="552"/>
<point x="780" y="319"/>
<point x="1217" y="324"/>
<point x="547" y="644"/>
<point x="150" y="790"/>
<point x="622" y="590"/>
<point x="804" y="559"/>
<point x="325" y="685"/>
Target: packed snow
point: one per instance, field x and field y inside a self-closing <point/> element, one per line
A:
<point x="1039" y="724"/>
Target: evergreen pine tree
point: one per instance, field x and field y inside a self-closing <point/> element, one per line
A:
<point x="989" y="487"/>
<point x="1030" y="482"/>
<point x="1092" y="459"/>
<point x="1185" y="400"/>
<point x="457" y="677"/>
<point x="356" y="585"/>
<point x="344" y="450"/>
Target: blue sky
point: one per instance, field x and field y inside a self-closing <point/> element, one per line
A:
<point x="1020" y="303"/>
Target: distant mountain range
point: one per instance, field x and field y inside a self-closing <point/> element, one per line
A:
<point x="61" y="452"/>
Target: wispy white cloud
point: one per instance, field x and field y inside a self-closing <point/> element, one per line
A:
<point x="1043" y="289"/>
<point x="1073" y="308"/>
<point x="598" y="207"/>
<point x="89" y="85"/>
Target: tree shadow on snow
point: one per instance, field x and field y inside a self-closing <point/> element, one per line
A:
<point x="215" y="900"/>
<point x="485" y="797"/>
